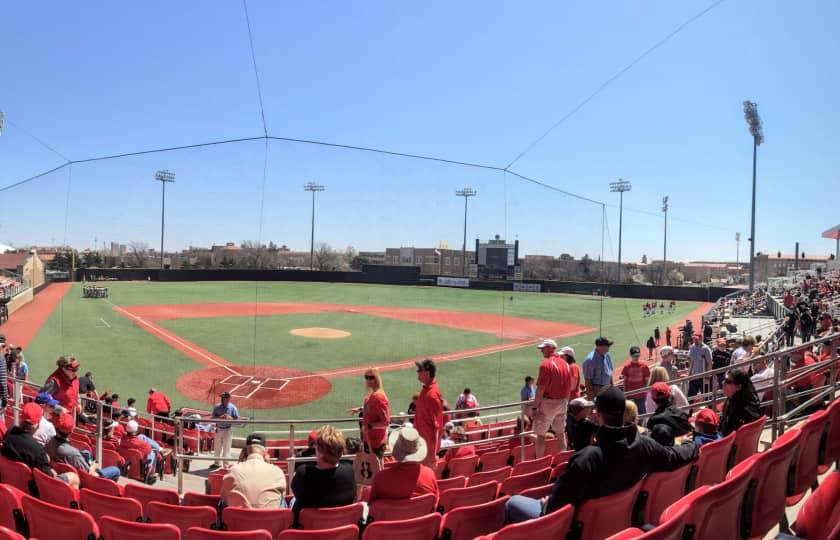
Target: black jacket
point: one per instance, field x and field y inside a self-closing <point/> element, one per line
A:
<point x="673" y="422"/>
<point x="619" y="459"/>
<point x="738" y="410"/>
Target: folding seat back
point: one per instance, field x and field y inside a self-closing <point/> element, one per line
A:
<point x="765" y="501"/>
<point x="490" y="461"/>
<point x="562" y="457"/>
<point x="15" y="473"/>
<point x="54" y="491"/>
<point x="100" y="505"/>
<point x="119" y="529"/>
<point x="807" y="457"/>
<point x="199" y="533"/>
<point x="9" y="534"/>
<point x="549" y="526"/>
<point x="452" y="482"/>
<point x="419" y="528"/>
<point x="200" y="499"/>
<point x="273" y="520"/>
<point x="515" y="484"/>
<point x="61" y="468"/>
<point x="468" y="496"/>
<point x="51" y="521"/>
<point x="746" y="441"/>
<point x="538" y="492"/>
<point x="496" y="475"/>
<point x="112" y="458"/>
<point x="214" y="482"/>
<point x="558" y="470"/>
<point x="552" y="446"/>
<point x="145" y="495"/>
<point x="832" y="446"/>
<point x="659" y="490"/>
<point x="711" y="465"/>
<point x="11" y="507"/>
<point x="400" y="509"/>
<point x="670" y="529"/>
<point x="533" y="465"/>
<point x="523" y="453"/>
<point x="95" y="482"/>
<point x="347" y="532"/>
<point x="468" y="522"/>
<point x="463" y="466"/>
<point x="819" y="516"/>
<point x="136" y="463"/>
<point x="599" y="518"/>
<point x="182" y="517"/>
<point x="326" y="518"/>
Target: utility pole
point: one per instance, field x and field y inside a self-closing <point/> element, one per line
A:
<point x="665" y="240"/>
<point x="313" y="187"/>
<point x="466" y="193"/>
<point x="164" y="177"/>
<point x="621" y="186"/>
<point x="754" y="122"/>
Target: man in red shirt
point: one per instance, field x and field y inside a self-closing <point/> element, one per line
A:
<point x="133" y="441"/>
<point x="635" y="374"/>
<point x="428" y="412"/>
<point x="158" y="403"/>
<point x="554" y="383"/>
<point x="458" y="436"/>
<point x="574" y="370"/>
<point x="408" y="477"/>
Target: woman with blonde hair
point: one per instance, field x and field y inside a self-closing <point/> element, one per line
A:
<point x="660" y="374"/>
<point x="375" y="419"/>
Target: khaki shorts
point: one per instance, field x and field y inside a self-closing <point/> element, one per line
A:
<point x="552" y="412"/>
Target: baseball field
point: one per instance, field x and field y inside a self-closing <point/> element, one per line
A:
<point x="298" y="350"/>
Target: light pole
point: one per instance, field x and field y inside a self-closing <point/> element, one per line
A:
<point x="313" y="187"/>
<point x="737" y="249"/>
<point x="665" y="240"/>
<point x="621" y="186"/>
<point x="754" y="122"/>
<point x="466" y="193"/>
<point x="2" y="121"/>
<point x="164" y="177"/>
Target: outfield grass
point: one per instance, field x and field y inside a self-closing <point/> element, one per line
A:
<point x="129" y="360"/>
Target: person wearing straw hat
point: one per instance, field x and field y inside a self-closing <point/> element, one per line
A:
<point x="408" y="477"/>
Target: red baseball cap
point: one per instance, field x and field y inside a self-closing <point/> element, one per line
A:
<point x="313" y="435"/>
<point x="660" y="390"/>
<point x="64" y="423"/>
<point x="707" y="416"/>
<point x="31" y="413"/>
<point x="698" y="335"/>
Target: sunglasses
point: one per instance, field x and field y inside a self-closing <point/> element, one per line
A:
<point x="370" y="378"/>
<point x="71" y="369"/>
<point x="728" y="381"/>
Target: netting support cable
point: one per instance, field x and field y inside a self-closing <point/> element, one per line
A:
<point x="603" y="273"/>
<point x="36" y="139"/>
<point x="256" y="71"/>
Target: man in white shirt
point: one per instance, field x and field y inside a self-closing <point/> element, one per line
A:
<point x="46" y="429"/>
<point x="763" y="378"/>
<point x="745" y="351"/>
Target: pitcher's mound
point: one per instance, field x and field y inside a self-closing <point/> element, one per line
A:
<point x="320" y="333"/>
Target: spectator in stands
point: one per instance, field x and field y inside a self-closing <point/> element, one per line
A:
<point x="112" y="431"/>
<point x="598" y="368"/>
<point x="225" y="410"/>
<point x="412" y="406"/>
<point x="660" y="374"/>
<point x="328" y="482"/>
<point x="409" y="477"/>
<point x="4" y="386"/>
<point x="667" y="421"/>
<point x="254" y="482"/>
<point x="580" y="429"/>
<point x="574" y="370"/>
<point x="527" y="393"/>
<point x="158" y="403"/>
<point x="63" y="383"/>
<point x="700" y="361"/>
<point x="458" y="436"/>
<point x="745" y="351"/>
<point x="667" y="360"/>
<point x="620" y="458"/>
<point x="801" y="359"/>
<point x="762" y="378"/>
<point x="706" y="424"/>
<point x="631" y="414"/>
<point x="46" y="429"/>
<point x="428" y="415"/>
<point x="375" y="418"/>
<point x="19" y="445"/>
<point x="741" y="405"/>
<point x="466" y="400"/>
<point x="721" y="358"/>
<point x="20" y="369"/>
<point x="635" y="374"/>
<point x="133" y="440"/>
<point x="789" y="327"/>
<point x="806" y="324"/>
<point x="60" y="450"/>
<point x="130" y="410"/>
<point x="86" y="383"/>
<point x="554" y="384"/>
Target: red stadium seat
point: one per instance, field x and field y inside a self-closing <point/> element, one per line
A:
<point x="214" y="482"/>
<point x="558" y="471"/>
<point x="327" y="518"/>
<point x="112" y="458"/>
<point x="51" y="521"/>
<point x="562" y="457"/>
<point x="102" y="485"/>
<point x="9" y="534"/>
<point x="533" y="465"/>
<point x="454" y="482"/>
<point x="807" y="458"/>
<point x="746" y="440"/>
<point x="200" y="499"/>
<point x="15" y="473"/>
<point x="182" y="517"/>
<point x="819" y="516"/>
<point x="528" y="449"/>
<point x="661" y="489"/>
<point x="468" y="496"/>
<point x="419" y="528"/>
<point x="497" y="475"/>
<point x="397" y="509"/>
<point x="146" y="494"/>
<point x="832" y="446"/>
<point x="467" y="522"/>
<point x="463" y="466"/>
<point x="490" y="461"/>
<point x="136" y="463"/>
<point x="538" y="492"/>
<point x="54" y="491"/>
<point x="118" y="529"/>
<point x="768" y="485"/>
<point x="548" y="527"/>
<point x="515" y="484"/>
<point x="198" y="533"/>
<point x="672" y="529"/>
<point x="599" y="518"/>
<point x="347" y="532"/>
<point x="61" y="468"/>
<point x="552" y="446"/>
<point x="99" y="505"/>
<point x="273" y="520"/>
<point x="711" y="465"/>
<point x="11" y="509"/>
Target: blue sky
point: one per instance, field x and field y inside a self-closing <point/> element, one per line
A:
<point x="472" y="81"/>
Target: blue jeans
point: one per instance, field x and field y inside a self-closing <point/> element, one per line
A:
<point x="111" y="473"/>
<point x="520" y="508"/>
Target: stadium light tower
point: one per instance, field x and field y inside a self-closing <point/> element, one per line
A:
<point x="621" y="186"/>
<point x="466" y="193"/>
<point x="737" y="249"/>
<point x="754" y="123"/>
<point x="164" y="177"/>
<point x="665" y="240"/>
<point x="313" y="187"/>
<point x="2" y="120"/>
